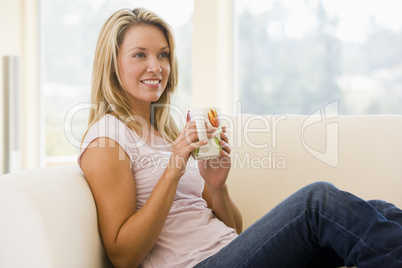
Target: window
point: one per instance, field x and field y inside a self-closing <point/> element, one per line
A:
<point x="297" y="56"/>
<point x="290" y="56"/>
<point x="69" y="31"/>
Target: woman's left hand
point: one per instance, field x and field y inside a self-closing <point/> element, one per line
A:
<point x="215" y="171"/>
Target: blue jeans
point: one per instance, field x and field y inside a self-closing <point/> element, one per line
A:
<point x="318" y="226"/>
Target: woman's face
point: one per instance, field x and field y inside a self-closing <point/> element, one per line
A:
<point x="143" y="62"/>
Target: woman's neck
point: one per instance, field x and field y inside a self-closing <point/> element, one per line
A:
<point x="143" y="111"/>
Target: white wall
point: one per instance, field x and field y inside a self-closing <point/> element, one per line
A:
<point x="19" y="35"/>
<point x="30" y="85"/>
<point x="212" y="70"/>
<point x="11" y="44"/>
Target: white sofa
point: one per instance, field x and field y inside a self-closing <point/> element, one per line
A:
<point x="48" y="215"/>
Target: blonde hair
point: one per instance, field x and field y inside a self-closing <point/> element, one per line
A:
<point x="107" y="93"/>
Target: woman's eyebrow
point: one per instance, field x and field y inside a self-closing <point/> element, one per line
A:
<point x="143" y="48"/>
<point x="140" y="48"/>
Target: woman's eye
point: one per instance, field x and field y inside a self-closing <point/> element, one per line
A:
<point x="138" y="55"/>
<point x="164" y="55"/>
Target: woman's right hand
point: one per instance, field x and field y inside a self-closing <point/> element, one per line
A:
<point x="186" y="142"/>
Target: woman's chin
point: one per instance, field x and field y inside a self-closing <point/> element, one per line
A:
<point x="149" y="97"/>
<point x="154" y="98"/>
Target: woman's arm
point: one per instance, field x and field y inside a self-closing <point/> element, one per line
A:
<point x="127" y="235"/>
<point x="216" y="192"/>
<point x="223" y="207"/>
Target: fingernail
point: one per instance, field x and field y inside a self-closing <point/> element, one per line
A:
<point x="188" y="116"/>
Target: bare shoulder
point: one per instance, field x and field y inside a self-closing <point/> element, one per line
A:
<point x="107" y="169"/>
<point x="104" y="155"/>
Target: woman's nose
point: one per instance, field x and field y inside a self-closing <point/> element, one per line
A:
<point x="154" y="66"/>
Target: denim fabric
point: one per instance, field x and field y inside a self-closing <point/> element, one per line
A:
<point x="318" y="226"/>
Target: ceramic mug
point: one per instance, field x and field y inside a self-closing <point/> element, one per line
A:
<point x="206" y="116"/>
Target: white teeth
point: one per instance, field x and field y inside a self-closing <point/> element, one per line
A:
<point x="151" y="82"/>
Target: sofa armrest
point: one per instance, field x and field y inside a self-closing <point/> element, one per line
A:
<point x="48" y="219"/>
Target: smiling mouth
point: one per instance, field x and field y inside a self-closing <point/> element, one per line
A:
<point x="151" y="82"/>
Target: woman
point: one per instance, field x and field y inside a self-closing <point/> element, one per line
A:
<point x="180" y="214"/>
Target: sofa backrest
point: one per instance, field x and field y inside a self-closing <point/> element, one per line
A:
<point x="274" y="156"/>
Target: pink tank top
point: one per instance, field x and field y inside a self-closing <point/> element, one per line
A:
<point x="191" y="232"/>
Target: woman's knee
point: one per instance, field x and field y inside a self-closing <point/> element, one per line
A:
<point x="321" y="187"/>
<point x="320" y="191"/>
